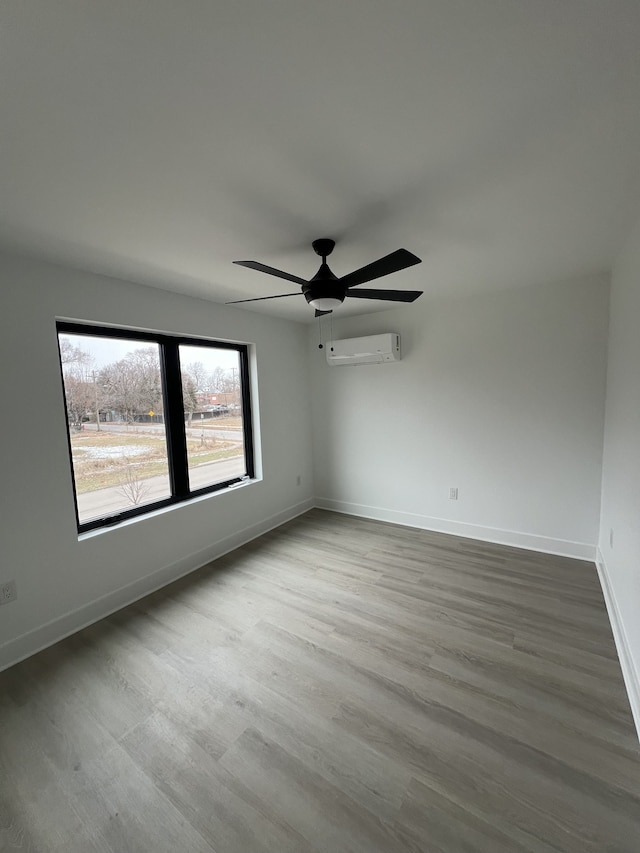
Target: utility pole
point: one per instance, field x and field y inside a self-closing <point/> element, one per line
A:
<point x="95" y="388"/>
<point x="233" y="385"/>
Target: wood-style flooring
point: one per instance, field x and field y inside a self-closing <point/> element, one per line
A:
<point x="339" y="685"/>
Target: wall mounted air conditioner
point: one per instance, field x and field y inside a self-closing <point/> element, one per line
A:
<point x="373" y="349"/>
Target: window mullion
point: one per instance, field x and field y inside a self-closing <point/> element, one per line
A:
<point x="176" y="436"/>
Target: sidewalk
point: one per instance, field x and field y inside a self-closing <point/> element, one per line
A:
<point x="112" y="500"/>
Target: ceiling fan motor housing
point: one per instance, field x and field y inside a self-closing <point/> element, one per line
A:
<point x="324" y="285"/>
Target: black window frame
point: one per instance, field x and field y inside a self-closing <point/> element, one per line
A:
<point x="174" y="416"/>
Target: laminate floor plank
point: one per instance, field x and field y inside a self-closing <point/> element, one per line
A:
<point x="229" y="817"/>
<point x="531" y="797"/>
<point x="513" y="676"/>
<point x="439" y="824"/>
<point x="339" y="685"/>
<point x="606" y="668"/>
<point x="319" y="811"/>
<point x="378" y="784"/>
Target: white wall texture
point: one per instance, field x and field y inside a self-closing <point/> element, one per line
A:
<point x="64" y="582"/>
<point x="500" y="395"/>
<point x="620" y="563"/>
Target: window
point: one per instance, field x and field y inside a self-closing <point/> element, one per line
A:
<point x="152" y="419"/>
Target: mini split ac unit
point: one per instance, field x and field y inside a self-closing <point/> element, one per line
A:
<point x="373" y="349"/>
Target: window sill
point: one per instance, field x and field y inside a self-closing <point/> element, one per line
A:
<point x="118" y="525"/>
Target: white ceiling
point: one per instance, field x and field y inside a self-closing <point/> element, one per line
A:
<point x="159" y="140"/>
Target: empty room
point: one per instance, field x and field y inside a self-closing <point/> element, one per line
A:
<point x="321" y="426"/>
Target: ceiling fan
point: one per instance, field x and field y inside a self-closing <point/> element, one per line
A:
<point x="325" y="291"/>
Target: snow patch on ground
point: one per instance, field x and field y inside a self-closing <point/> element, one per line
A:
<point x="112" y="451"/>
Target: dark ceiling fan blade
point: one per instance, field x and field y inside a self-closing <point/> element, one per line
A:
<point x="322" y="313"/>
<point x="387" y="295"/>
<point x="254" y="265"/>
<point x="260" y="298"/>
<point x="396" y="261"/>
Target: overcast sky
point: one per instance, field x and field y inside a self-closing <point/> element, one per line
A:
<point x="107" y="350"/>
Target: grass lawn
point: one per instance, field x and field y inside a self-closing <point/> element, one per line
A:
<point x="102" y="459"/>
<point x="224" y="422"/>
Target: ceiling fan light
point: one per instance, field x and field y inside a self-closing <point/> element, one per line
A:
<point x="325" y="303"/>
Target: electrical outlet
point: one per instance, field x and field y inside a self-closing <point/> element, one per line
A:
<point x="298" y="480"/>
<point x="453" y="493"/>
<point x="8" y="592"/>
<point x="611" y="537"/>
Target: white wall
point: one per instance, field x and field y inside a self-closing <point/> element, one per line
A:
<point x="620" y="563"/>
<point x="63" y="582"/>
<point x="501" y="395"/>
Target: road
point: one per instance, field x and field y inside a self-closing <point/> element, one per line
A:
<point x="111" y="500"/>
<point x="192" y="432"/>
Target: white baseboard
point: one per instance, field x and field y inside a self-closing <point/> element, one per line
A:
<point x="517" y="539"/>
<point x="39" y="638"/>
<point x="625" y="655"/>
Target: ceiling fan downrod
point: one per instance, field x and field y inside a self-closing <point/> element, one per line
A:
<point x="323" y="292"/>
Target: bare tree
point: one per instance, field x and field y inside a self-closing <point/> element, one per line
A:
<point x="133" y="487"/>
<point x="219" y="379"/>
<point x="79" y="387"/>
<point x="133" y="384"/>
<point x="189" y="395"/>
<point x="72" y="354"/>
<point x="198" y="374"/>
